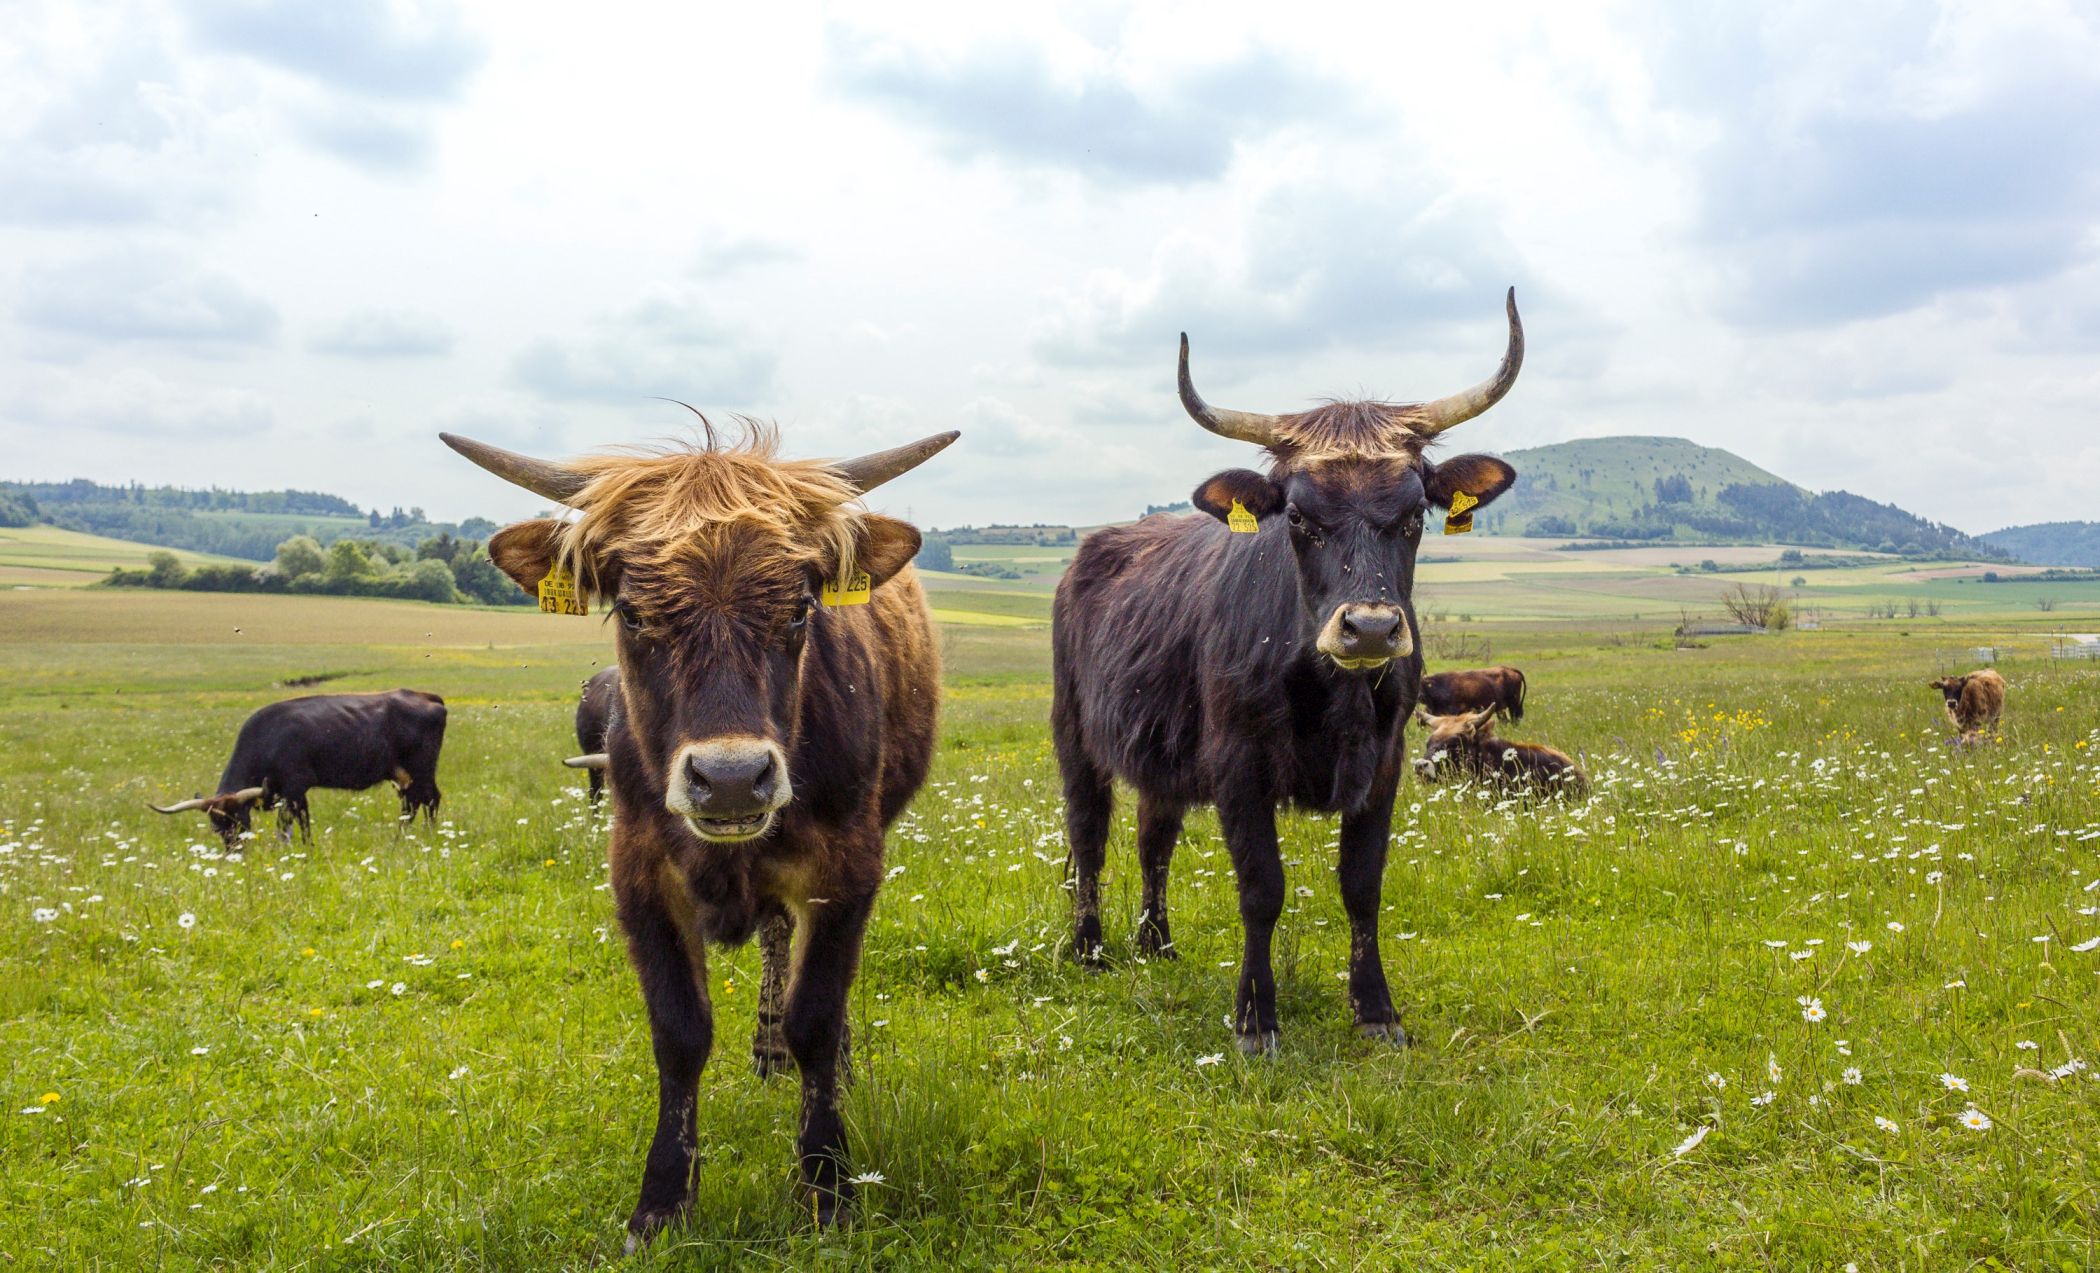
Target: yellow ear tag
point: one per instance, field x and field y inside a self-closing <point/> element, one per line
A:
<point x="558" y="593"/>
<point x="1460" y="518"/>
<point x="1240" y="520"/>
<point x="847" y="592"/>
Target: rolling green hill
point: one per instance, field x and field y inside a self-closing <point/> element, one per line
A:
<point x="2050" y="543"/>
<point x="1671" y="489"/>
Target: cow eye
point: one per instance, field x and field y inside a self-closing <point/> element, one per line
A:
<point x="801" y="615"/>
<point x="629" y="618"/>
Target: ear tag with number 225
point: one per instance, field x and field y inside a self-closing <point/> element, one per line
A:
<point x="1240" y="520"/>
<point x="847" y="592"/>
<point x="558" y="594"/>
<point x="1459" y="520"/>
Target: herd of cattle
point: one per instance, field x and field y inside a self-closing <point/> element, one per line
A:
<point x="772" y="711"/>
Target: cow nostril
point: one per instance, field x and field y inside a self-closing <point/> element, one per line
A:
<point x="696" y="777"/>
<point x="763" y="781"/>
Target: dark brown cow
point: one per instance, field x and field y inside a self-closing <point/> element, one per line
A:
<point x="1276" y="666"/>
<point x="594" y="716"/>
<point x="762" y="745"/>
<point x="1974" y="701"/>
<point x="1498" y="688"/>
<point x="344" y="742"/>
<point x="1463" y="747"/>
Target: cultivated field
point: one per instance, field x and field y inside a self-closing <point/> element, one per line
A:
<point x="1799" y="987"/>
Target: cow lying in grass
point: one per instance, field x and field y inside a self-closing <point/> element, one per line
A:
<point x="1975" y="700"/>
<point x="1463" y="748"/>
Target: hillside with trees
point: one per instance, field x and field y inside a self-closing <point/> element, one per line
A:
<point x="2050" y="543"/>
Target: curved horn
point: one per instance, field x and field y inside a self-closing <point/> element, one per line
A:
<point x="1242" y="425"/>
<point x="1432" y="418"/>
<point x="542" y="477"/>
<point x="244" y="795"/>
<point x="595" y="760"/>
<point x="865" y="473"/>
<point x="180" y="806"/>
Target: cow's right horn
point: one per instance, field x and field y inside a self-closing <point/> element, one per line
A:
<point x="1432" y="418"/>
<point x="866" y="472"/>
<point x="1245" y="426"/>
<point x="557" y="482"/>
<point x="180" y="806"/>
<point x="595" y="760"/>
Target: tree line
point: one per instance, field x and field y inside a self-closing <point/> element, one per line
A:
<point x="443" y="568"/>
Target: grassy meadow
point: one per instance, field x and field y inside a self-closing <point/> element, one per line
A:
<point x="1798" y="988"/>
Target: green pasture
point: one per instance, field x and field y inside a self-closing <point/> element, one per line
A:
<point x="46" y="556"/>
<point x="1798" y="988"/>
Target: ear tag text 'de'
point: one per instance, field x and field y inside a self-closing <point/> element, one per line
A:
<point x="847" y="592"/>
<point x="1240" y="520"/>
<point x="558" y="594"/>
<point x="1460" y="518"/>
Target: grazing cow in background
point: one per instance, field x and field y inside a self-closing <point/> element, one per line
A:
<point x="1499" y="688"/>
<point x="1974" y="702"/>
<point x="345" y="742"/>
<point x="762" y="744"/>
<point x="1263" y="654"/>
<point x="1463" y="747"/>
<point x="594" y="716"/>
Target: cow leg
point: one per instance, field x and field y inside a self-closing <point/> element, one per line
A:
<point x="672" y="967"/>
<point x="1089" y="800"/>
<point x="825" y="962"/>
<point x="1159" y="827"/>
<point x="1249" y="822"/>
<point x="1365" y="837"/>
<point x="769" y="1049"/>
<point x="597" y="786"/>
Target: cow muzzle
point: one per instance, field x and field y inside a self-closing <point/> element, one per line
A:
<point x="1365" y="637"/>
<point x="728" y="789"/>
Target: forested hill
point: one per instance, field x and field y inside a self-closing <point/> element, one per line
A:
<point x="2051" y="543"/>
<point x="249" y="524"/>
<point x="1642" y="488"/>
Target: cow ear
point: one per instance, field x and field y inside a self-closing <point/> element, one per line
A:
<point x="1481" y="476"/>
<point x="1245" y="487"/>
<point x="526" y="551"/>
<point x="885" y="546"/>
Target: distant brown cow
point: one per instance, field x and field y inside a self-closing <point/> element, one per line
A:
<point x="1450" y="693"/>
<point x="1974" y="702"/>
<point x="1464" y="747"/>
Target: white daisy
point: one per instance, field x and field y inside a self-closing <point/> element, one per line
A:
<point x="1954" y="1082"/>
<point x="1975" y="1119"/>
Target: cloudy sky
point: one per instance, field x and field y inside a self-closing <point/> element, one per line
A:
<point x="265" y="245"/>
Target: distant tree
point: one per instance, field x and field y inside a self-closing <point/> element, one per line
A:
<point x="936" y="554"/>
<point x="1550" y="525"/>
<point x="300" y="555"/>
<point x="17" y="509"/>
<point x="1800" y="581"/>
<point x="1674" y="489"/>
<point x="1757" y="606"/>
<point x="163" y="570"/>
<point x="1791" y="557"/>
<point x="348" y="562"/>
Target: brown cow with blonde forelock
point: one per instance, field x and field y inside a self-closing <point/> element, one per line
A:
<point x="761" y="745"/>
<point x="1974" y="701"/>
<point x="1463" y="748"/>
<point x="1262" y="654"/>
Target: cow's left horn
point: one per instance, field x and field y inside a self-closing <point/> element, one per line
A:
<point x="595" y="760"/>
<point x="865" y="473"/>
<point x="1432" y="418"/>
<point x="1245" y="426"/>
<point x="557" y="482"/>
<point x="180" y="806"/>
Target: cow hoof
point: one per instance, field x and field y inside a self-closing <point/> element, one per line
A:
<point x="1154" y="945"/>
<point x="1259" y="1043"/>
<point x="1388" y="1031"/>
<point x="647" y="1222"/>
<point x="1093" y="958"/>
<point x="767" y="1064"/>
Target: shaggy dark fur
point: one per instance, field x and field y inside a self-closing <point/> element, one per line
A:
<point x="712" y="560"/>
<point x="1189" y="662"/>
<point x="594" y="715"/>
<point x="345" y="742"/>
